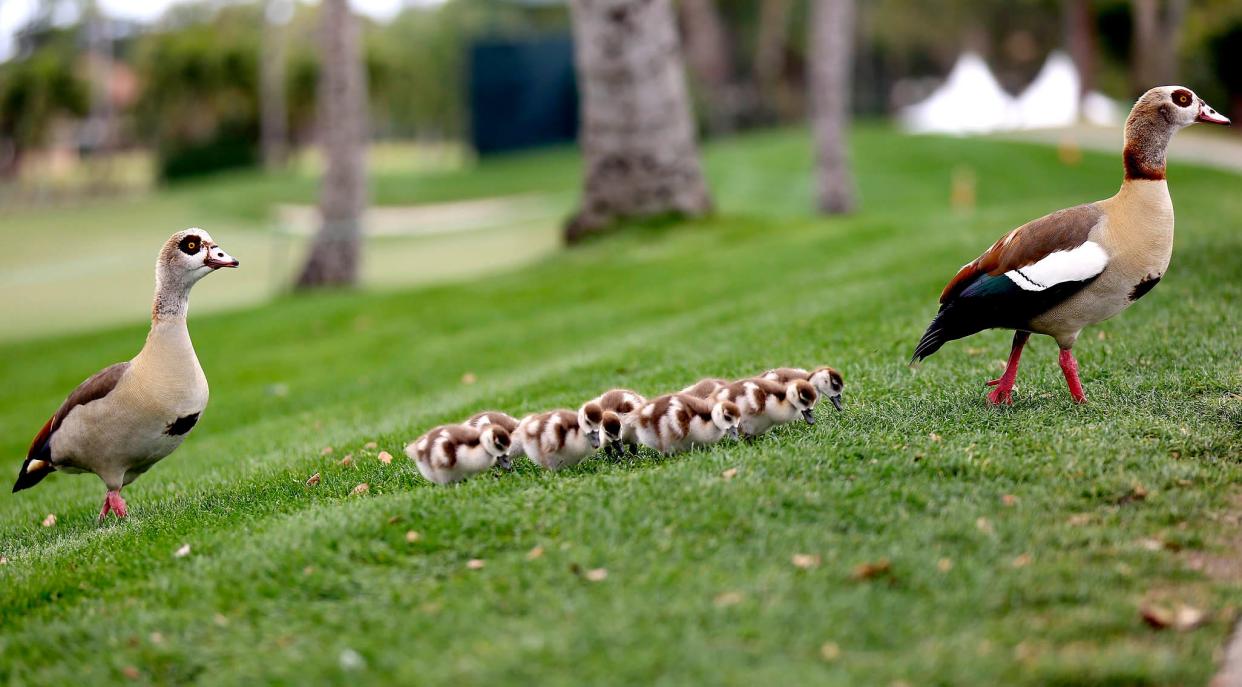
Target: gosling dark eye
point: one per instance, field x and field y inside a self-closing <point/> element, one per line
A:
<point x="190" y="245"/>
<point x="1182" y="97"/>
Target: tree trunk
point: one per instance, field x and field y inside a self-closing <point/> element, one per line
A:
<point x="831" y="52"/>
<point x="1080" y="41"/>
<point x="342" y="129"/>
<point x="274" y="116"/>
<point x="1157" y="39"/>
<point x="709" y="60"/>
<point x="771" y="42"/>
<point x="640" y="158"/>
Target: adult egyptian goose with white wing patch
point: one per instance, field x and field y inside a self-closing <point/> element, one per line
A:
<point x="1079" y="266"/>
<point x="129" y="416"/>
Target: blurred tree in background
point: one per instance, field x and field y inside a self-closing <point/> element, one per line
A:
<point x="832" y="52"/>
<point x="35" y="93"/>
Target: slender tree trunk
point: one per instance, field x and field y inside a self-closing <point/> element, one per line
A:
<point x="771" y="42"/>
<point x="831" y="52"/>
<point x="1080" y="40"/>
<point x="640" y="158"/>
<point x="709" y="60"/>
<point x="1157" y="40"/>
<point x="274" y="115"/>
<point x="342" y="130"/>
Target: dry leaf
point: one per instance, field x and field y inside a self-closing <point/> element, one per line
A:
<point x="385" y="457"/>
<point x="726" y="599"/>
<point x="970" y="350"/>
<point x="1136" y="493"/>
<point x="806" y="561"/>
<point x="933" y="436"/>
<point x="412" y="536"/>
<point x="308" y="570"/>
<point x="4" y="560"/>
<point x="49" y="520"/>
<point x="1101" y="335"/>
<point x="729" y="474"/>
<point x="597" y="574"/>
<point x="326" y="450"/>
<point x="1079" y="519"/>
<point x="347" y="461"/>
<point x="944" y="565"/>
<point x="370" y="446"/>
<point x="183" y="551"/>
<point x="1021" y="561"/>
<point x="1151" y="544"/>
<point x="534" y="553"/>
<point x="1183" y="618"/>
<point x="157" y="638"/>
<point x="1157" y="617"/>
<point x="1188" y="618"/>
<point x="830" y="651"/>
<point x="469" y="378"/>
<point x="131" y="672"/>
<point x="1009" y="500"/>
<point x="220" y="619"/>
<point x="313" y="480"/>
<point x="475" y="564"/>
<point x="873" y="569"/>
<point x="984" y="525"/>
<point x="360" y="489"/>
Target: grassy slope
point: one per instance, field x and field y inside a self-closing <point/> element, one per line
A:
<point x="282" y="579"/>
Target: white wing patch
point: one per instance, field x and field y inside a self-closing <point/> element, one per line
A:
<point x="1078" y="264"/>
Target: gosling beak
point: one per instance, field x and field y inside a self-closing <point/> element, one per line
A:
<point x="217" y="258"/>
<point x="809" y="416"/>
<point x="504" y="462"/>
<point x="593" y="437"/>
<point x="1207" y="114"/>
<point x="836" y="402"/>
<point x="732" y="433"/>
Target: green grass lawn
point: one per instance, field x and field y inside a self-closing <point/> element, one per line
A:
<point x="1022" y="542"/>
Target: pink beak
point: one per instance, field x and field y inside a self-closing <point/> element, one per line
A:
<point x="1207" y="114"/>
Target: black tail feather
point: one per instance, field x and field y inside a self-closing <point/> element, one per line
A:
<point x="931" y="342"/>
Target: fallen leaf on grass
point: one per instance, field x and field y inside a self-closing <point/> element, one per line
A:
<point x="729" y="474"/>
<point x="49" y="520"/>
<point x="347" y="461"/>
<point x="360" y="489"/>
<point x="1021" y="561"/>
<point x="933" y="436"/>
<point x="1137" y="493"/>
<point x="326" y="450"/>
<point x="534" y="553"/>
<point x="412" y="536"/>
<point x="183" y="551"/>
<point x="1183" y="618"/>
<point x="308" y="570"/>
<point x="726" y="599"/>
<point x="871" y="570"/>
<point x="157" y="638"/>
<point x="1151" y="544"/>
<point x="475" y="564"/>
<point x="313" y="480"/>
<point x="385" y="457"/>
<point x="597" y="574"/>
<point x="944" y="565"/>
<point x="469" y="378"/>
<point x="984" y="525"/>
<point x="131" y="672"/>
<point x="1079" y="519"/>
<point x="1009" y="500"/>
<point x="830" y="651"/>
<point x="806" y="561"/>
<point x="370" y="446"/>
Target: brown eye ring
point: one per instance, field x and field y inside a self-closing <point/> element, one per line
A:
<point x="1182" y="97"/>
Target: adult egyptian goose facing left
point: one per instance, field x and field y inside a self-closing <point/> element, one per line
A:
<point x="128" y="416"/>
<point x="1079" y="266"/>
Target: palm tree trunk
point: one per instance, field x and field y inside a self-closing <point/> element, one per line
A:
<point x="831" y="49"/>
<point x="1080" y="40"/>
<point x="708" y="57"/>
<point x="342" y="129"/>
<point x="771" y="42"/>
<point x="273" y="115"/>
<point x="640" y="158"/>
<point x="1157" y="39"/>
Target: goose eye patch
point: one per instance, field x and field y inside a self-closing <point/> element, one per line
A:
<point x="1182" y="97"/>
<point x="190" y="245"/>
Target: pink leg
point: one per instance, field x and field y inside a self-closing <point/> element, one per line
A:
<point x="113" y="503"/>
<point x="1069" y="366"/>
<point x="1003" y="393"/>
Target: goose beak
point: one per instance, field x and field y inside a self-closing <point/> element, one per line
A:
<point x="809" y="416"/>
<point x="732" y="433"/>
<point x="593" y="437"/>
<point x="504" y="462"/>
<point x="217" y="258"/>
<point x="1207" y="114"/>
<point x="836" y="402"/>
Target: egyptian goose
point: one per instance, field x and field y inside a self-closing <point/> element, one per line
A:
<point x="555" y="440"/>
<point x="826" y="380"/>
<point x="128" y="416"/>
<point x="1079" y="266"/>
<point x="765" y="404"/>
<point x="452" y="453"/>
<point x="624" y="403"/>
<point x="677" y="422"/>
<point x="500" y="419"/>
